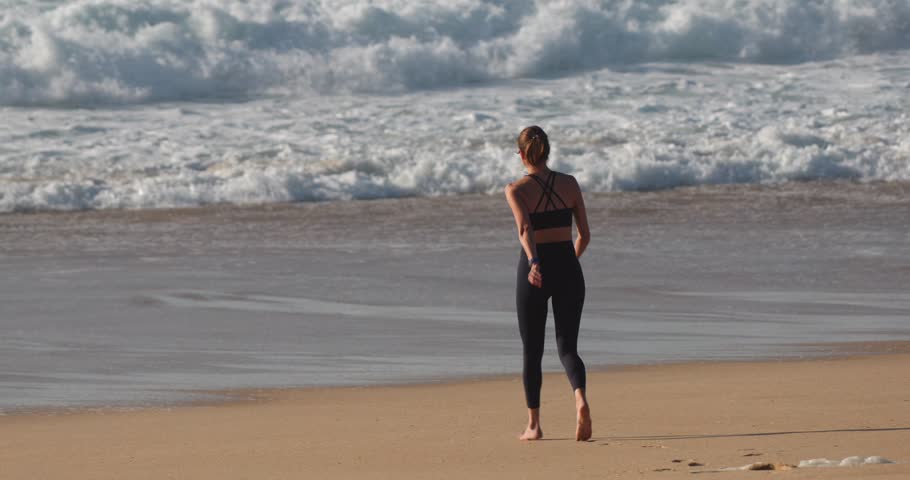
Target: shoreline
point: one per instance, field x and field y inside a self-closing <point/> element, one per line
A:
<point x="117" y="308"/>
<point x="253" y="394"/>
<point x="827" y="188"/>
<point x="717" y="414"/>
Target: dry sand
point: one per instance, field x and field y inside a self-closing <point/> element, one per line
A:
<point x="719" y="414"/>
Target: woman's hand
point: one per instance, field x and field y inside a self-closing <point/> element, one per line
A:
<point x="534" y="276"/>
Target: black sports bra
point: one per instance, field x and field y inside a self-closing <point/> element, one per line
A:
<point x="555" y="218"/>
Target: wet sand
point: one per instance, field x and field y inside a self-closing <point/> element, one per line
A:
<point x="114" y="308"/>
<point x="718" y="414"/>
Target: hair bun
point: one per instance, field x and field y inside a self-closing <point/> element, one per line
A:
<point x="532" y="141"/>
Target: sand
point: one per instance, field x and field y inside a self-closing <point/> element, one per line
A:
<point x="717" y="414"/>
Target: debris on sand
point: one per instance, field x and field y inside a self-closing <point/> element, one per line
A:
<point x="769" y="466"/>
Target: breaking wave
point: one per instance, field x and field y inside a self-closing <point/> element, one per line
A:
<point x="89" y="52"/>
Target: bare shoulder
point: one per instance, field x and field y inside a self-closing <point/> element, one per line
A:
<point x="510" y="190"/>
<point x="515" y="187"/>
<point x="569" y="179"/>
<point x="570" y="183"/>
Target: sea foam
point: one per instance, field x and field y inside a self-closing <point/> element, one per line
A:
<point x="86" y="52"/>
<point x="855" y="461"/>
<point x="120" y="104"/>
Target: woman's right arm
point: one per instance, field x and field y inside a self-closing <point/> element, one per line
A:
<point x="525" y="232"/>
<point x="581" y="222"/>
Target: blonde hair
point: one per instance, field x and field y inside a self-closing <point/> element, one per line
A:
<point x="535" y="145"/>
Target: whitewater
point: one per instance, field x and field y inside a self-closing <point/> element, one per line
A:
<point x="151" y="104"/>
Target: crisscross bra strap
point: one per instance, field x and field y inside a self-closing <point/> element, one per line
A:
<point x="548" y="191"/>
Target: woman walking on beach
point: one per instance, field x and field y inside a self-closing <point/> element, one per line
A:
<point x="544" y="203"/>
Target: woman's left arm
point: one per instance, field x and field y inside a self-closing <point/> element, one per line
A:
<point x="581" y="222"/>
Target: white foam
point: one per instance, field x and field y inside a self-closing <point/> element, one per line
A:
<point x="855" y="461"/>
<point x="120" y="51"/>
<point x="639" y="124"/>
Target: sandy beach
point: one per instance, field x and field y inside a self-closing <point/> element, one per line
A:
<point x="256" y="240"/>
<point x="719" y="415"/>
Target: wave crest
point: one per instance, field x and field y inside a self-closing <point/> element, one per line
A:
<point x="122" y="52"/>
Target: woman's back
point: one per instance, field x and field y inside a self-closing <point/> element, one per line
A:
<point x="550" y="198"/>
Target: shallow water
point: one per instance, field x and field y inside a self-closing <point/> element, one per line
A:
<point x="139" y="307"/>
<point x="110" y="104"/>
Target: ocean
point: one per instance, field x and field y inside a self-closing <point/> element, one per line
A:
<point x="211" y="194"/>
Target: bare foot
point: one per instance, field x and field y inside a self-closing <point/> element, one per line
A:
<point x="583" y="429"/>
<point x="532" y="434"/>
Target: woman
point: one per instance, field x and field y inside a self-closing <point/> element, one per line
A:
<point x="543" y="203"/>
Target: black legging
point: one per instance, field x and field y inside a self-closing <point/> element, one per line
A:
<point x="562" y="280"/>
